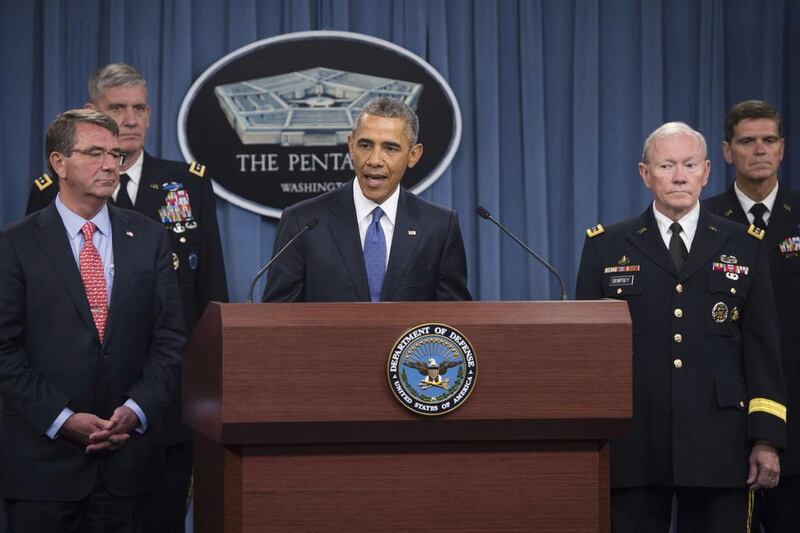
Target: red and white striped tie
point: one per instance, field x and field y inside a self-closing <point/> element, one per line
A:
<point x="94" y="281"/>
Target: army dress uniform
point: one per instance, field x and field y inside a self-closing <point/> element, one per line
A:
<point x="180" y="196"/>
<point x="782" y="243"/>
<point x="707" y="379"/>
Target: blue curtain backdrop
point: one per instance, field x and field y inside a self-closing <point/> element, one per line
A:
<point x="556" y="96"/>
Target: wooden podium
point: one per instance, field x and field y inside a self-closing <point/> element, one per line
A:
<point x="297" y="429"/>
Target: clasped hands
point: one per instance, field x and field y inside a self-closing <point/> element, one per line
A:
<point x="98" y="434"/>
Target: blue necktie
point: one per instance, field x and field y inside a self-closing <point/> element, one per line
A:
<point x="375" y="255"/>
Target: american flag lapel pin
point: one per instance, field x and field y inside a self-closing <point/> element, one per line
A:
<point x="129" y="233"/>
<point x="412" y="232"/>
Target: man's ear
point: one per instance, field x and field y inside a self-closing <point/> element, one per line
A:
<point x="726" y="152"/>
<point x="644" y="172"/>
<point x="415" y="155"/>
<point x="57" y="161"/>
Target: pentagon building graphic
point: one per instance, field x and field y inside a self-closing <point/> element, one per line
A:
<point x="314" y="107"/>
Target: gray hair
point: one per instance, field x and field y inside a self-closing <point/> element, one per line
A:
<point x="671" y="129"/>
<point x="388" y="107"/>
<point x="114" y="75"/>
<point x="61" y="133"/>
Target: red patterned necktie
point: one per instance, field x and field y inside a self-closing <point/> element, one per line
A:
<point x="94" y="280"/>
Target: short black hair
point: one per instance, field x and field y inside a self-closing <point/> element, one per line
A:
<point x="388" y="107"/>
<point x="749" y="109"/>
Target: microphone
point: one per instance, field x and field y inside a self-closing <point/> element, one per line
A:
<point x="483" y="213"/>
<point x="311" y="224"/>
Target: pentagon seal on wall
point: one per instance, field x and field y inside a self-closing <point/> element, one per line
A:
<point x="432" y="369"/>
<point x="272" y="118"/>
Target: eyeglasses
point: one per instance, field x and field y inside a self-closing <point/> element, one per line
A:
<point x="96" y="154"/>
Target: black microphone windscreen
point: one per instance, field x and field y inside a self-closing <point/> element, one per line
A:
<point x="482" y="212"/>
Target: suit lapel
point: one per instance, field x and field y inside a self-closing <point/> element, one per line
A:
<point x="647" y="238"/>
<point x="343" y="228"/>
<point x="403" y="244"/>
<point x="707" y="241"/>
<point x="733" y="209"/>
<point x="53" y="241"/>
<point x="123" y="236"/>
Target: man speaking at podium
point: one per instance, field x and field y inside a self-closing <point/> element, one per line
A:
<point x="709" y="403"/>
<point x="375" y="241"/>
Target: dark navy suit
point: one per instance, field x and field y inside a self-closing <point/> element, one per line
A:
<point x="427" y="261"/>
<point x="197" y="258"/>
<point x="51" y="356"/>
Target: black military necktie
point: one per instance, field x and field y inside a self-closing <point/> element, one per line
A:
<point x="758" y="211"/>
<point x="123" y="200"/>
<point x="677" y="248"/>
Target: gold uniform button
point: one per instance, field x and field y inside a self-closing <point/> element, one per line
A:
<point x="182" y="239"/>
<point x="678" y="312"/>
<point x="679" y="288"/>
<point x="678" y="363"/>
<point x="678" y="337"/>
<point x="619" y="291"/>
<point x="741" y="403"/>
<point x="733" y="290"/>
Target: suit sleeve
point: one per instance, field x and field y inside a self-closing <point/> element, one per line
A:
<point x="589" y="285"/>
<point x="211" y="281"/>
<point x="286" y="277"/>
<point x="21" y="386"/>
<point x="167" y="338"/>
<point x="452" y="281"/>
<point x="762" y="360"/>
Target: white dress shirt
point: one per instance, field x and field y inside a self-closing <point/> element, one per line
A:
<point x="101" y="239"/>
<point x="747" y="203"/>
<point x="135" y="175"/>
<point x="688" y="222"/>
<point x="364" y="208"/>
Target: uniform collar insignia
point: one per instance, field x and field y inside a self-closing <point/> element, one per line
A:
<point x="787" y="207"/>
<point x="623" y="260"/>
<point x="753" y="231"/>
<point x="712" y="227"/>
<point x="728" y="212"/>
<point x="641" y="230"/>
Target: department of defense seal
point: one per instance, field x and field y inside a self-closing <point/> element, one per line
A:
<point x="432" y="369"/>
